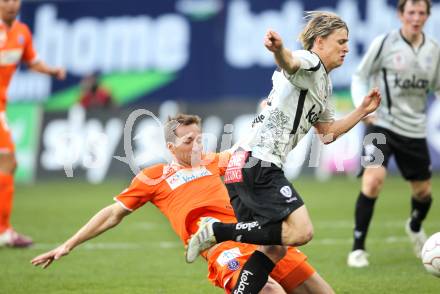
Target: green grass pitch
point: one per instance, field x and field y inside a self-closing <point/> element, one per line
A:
<point x="143" y="255"/>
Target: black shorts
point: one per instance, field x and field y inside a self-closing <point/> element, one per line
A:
<point x="259" y="190"/>
<point x="411" y="155"/>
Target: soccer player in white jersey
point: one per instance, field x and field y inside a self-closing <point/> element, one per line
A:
<point x="269" y="210"/>
<point x="404" y="64"/>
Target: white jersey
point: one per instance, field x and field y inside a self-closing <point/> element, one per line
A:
<point x="295" y="104"/>
<point x="405" y="76"/>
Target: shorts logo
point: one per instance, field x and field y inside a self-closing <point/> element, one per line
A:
<point x="233" y="265"/>
<point x="286" y="191"/>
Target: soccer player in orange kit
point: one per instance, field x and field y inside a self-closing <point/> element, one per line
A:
<point x="15" y="47"/>
<point x="190" y="192"/>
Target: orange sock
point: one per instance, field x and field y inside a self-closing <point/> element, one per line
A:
<point x="6" y="197"/>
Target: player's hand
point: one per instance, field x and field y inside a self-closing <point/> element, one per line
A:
<point x="47" y="258"/>
<point x="371" y="101"/>
<point x="273" y="41"/>
<point x="59" y="73"/>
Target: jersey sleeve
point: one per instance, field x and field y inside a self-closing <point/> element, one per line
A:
<point x="369" y="65"/>
<point x="310" y="63"/>
<point x="435" y="86"/>
<point x="218" y="161"/>
<point x="329" y="114"/>
<point x="138" y="193"/>
<point x="29" y="53"/>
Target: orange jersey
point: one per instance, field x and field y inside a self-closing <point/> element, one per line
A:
<point x="182" y="194"/>
<point x="15" y="47"/>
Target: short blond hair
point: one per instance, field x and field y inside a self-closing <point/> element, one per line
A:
<point x="173" y="123"/>
<point x="319" y="24"/>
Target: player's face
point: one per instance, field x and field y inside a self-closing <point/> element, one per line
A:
<point x="413" y="17"/>
<point x="9" y="9"/>
<point x="188" y="146"/>
<point x="335" y="47"/>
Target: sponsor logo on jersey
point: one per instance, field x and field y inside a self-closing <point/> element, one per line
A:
<point x="3" y="38"/>
<point x="313" y="116"/>
<point x="258" y="119"/>
<point x="412" y="83"/>
<point x="233" y="265"/>
<point x="233" y="172"/>
<point x="187" y="175"/>
<point x="10" y="57"/>
<point x="228" y="255"/>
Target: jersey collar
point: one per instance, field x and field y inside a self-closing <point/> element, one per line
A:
<point x="2" y="24"/>
<point x="409" y="43"/>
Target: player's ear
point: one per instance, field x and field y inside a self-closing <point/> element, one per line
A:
<point x="319" y="42"/>
<point x="400" y="15"/>
<point x="171" y="147"/>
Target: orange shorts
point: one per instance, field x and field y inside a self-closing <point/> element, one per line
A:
<point x="225" y="263"/>
<point x="227" y="259"/>
<point x="6" y="142"/>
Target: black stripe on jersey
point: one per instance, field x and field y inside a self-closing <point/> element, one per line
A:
<point x="381" y="47"/>
<point x="387" y="89"/>
<point x="299" y="110"/>
<point x="320" y="61"/>
<point x="315" y="68"/>
<point x="406" y="41"/>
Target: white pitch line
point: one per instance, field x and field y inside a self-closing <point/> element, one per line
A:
<point x="350" y="224"/>
<point x="114" y="246"/>
<point x="343" y="241"/>
<point x="179" y="245"/>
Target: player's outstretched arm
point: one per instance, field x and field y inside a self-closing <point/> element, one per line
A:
<point x="330" y="131"/>
<point x="283" y="56"/>
<point x="107" y="218"/>
<point x="41" y="67"/>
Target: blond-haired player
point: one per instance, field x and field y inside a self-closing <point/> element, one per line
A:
<point x="269" y="210"/>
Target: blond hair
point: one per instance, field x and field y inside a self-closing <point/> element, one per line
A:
<point x="173" y="123"/>
<point x="319" y="24"/>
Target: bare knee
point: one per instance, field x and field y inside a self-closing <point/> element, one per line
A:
<point x="421" y="189"/>
<point x="8" y="164"/>
<point x="372" y="181"/>
<point x="274" y="252"/>
<point x="297" y="235"/>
